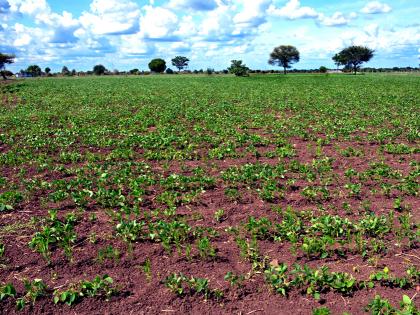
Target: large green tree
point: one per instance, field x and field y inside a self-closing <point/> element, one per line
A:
<point x="284" y="56"/>
<point x="99" y="70"/>
<point x="238" y="68"/>
<point x="157" y="65"/>
<point x="180" y="62"/>
<point x="4" y="60"/>
<point x="34" y="70"/>
<point x="353" y="57"/>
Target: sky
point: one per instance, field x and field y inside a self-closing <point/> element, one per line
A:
<point x="127" y="34"/>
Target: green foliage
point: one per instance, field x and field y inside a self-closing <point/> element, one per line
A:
<point x="108" y="252"/>
<point x="34" y="70"/>
<point x="180" y="62"/>
<point x="205" y="248"/>
<point x="379" y="306"/>
<point x="323" y="69"/>
<point x="34" y="290"/>
<point x="150" y="159"/>
<point x="181" y="285"/>
<point x="6" y="291"/>
<point x="238" y="68"/>
<point x="99" y="70"/>
<point x="353" y="56"/>
<point x="321" y="311"/>
<point x="55" y="232"/>
<point x="157" y="65"/>
<point x="4" y="60"/>
<point x="284" y="56"/>
<point x="276" y="276"/>
<point x="98" y="287"/>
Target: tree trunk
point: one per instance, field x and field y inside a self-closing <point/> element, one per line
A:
<point x="355" y="70"/>
<point x="3" y="75"/>
<point x="284" y="71"/>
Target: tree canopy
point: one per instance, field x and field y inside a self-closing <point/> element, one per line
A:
<point x="157" y="65"/>
<point x="99" y="69"/>
<point x="238" y="68"/>
<point x="5" y="59"/>
<point x="34" y="70"/>
<point x="65" y="71"/>
<point x="180" y="62"/>
<point x="284" y="56"/>
<point x="353" y="56"/>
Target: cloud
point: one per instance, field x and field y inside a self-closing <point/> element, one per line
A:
<point x="4" y="6"/>
<point x="134" y="45"/>
<point x="375" y="7"/>
<point x="292" y="11"/>
<point x="253" y="13"/>
<point x="337" y="19"/>
<point x="64" y="26"/>
<point x="28" y="7"/>
<point x="158" y="23"/>
<point x="111" y="17"/>
<point x="199" y="5"/>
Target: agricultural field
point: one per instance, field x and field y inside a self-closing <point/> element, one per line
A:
<point x="273" y="194"/>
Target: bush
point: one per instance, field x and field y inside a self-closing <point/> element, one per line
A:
<point x="169" y="71"/>
<point x="323" y="69"/>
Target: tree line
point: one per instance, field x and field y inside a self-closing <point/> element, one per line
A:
<point x="284" y="56"/>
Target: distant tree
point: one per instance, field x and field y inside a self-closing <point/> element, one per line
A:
<point x="323" y="69"/>
<point x="47" y="70"/>
<point x="157" y="65"/>
<point x="73" y="72"/>
<point x="5" y="59"/>
<point x="65" y="71"/>
<point x="284" y="56"/>
<point x="352" y="57"/>
<point x="238" y="68"/>
<point x="134" y="71"/>
<point x="209" y="71"/>
<point x="180" y="62"/>
<point x="99" y="70"/>
<point x="8" y="73"/>
<point x="169" y="71"/>
<point x="34" y="70"/>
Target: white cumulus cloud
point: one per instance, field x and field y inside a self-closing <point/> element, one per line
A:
<point x="158" y="23"/>
<point x="337" y="19"/>
<point x="293" y="10"/>
<point x="112" y="17"/>
<point x="375" y="7"/>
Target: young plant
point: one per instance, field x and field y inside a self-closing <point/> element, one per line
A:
<point x="205" y="248"/>
<point x="58" y="232"/>
<point x="34" y="290"/>
<point x="219" y="215"/>
<point x="6" y="291"/>
<point x="98" y="287"/>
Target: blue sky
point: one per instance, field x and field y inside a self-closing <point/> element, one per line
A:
<point x="126" y="34"/>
